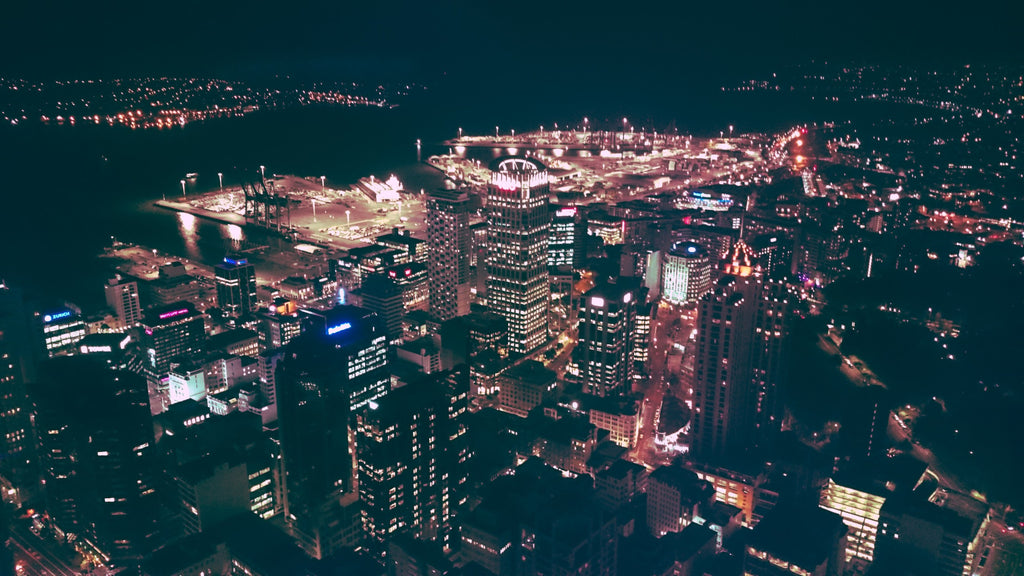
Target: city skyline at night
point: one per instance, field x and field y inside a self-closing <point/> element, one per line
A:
<point x="464" y="289"/>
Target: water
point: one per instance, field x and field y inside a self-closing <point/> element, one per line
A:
<point x="68" y="190"/>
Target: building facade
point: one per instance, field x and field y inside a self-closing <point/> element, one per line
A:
<point x="449" y="241"/>
<point x="517" y="250"/>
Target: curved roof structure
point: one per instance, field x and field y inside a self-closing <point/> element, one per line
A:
<point x="516" y="165"/>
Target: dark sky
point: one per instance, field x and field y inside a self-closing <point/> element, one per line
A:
<point x="588" y="42"/>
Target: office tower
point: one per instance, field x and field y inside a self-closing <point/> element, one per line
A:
<point x="675" y="496"/>
<point x="686" y="273"/>
<point x="607" y="318"/>
<point x="642" y="335"/>
<point x="565" y="243"/>
<point x="62" y="327"/>
<point x="236" y="286"/>
<point x="413" y="459"/>
<point x="448" y="236"/>
<point x="517" y="250"/>
<point x="797" y="540"/>
<point x="97" y="455"/>
<point x="279" y="325"/>
<point x="123" y="298"/>
<point x="742" y="336"/>
<point x="171" y="331"/>
<point x="337" y="366"/>
<point x="382" y="295"/>
<point x="17" y="473"/>
<point x="525" y="386"/>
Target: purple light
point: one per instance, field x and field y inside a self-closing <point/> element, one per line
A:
<point x="174" y="313"/>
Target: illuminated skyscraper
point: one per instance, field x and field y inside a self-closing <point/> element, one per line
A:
<point x="413" y="459"/>
<point x="448" y="236"/>
<point x="236" y="286"/>
<point x="170" y="331"/>
<point x="97" y="455"/>
<point x="15" y="429"/>
<point x="338" y="365"/>
<point x="517" y="250"/>
<point x="740" y="363"/>
<point x="686" y="273"/>
<point x="607" y="315"/>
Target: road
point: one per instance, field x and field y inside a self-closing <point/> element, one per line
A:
<point x="39" y="557"/>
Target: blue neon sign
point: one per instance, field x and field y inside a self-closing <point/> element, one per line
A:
<point x="51" y="317"/>
<point x="331" y="330"/>
<point x="233" y="262"/>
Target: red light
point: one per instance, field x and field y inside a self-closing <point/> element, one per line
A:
<point x="408" y="271"/>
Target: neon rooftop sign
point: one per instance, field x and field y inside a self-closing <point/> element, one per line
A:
<point x="173" y="313"/>
<point x="233" y="262"/>
<point x="331" y="330"/>
<point x="57" y="316"/>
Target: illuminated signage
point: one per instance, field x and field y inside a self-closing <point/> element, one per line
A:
<point x="627" y="297"/>
<point x="173" y="313"/>
<point x="57" y="316"/>
<point x="331" y="330"/>
<point x="94" y="349"/>
<point x="124" y="343"/>
<point x="597" y="301"/>
<point x="691" y="249"/>
<point x="233" y="262"/>
<point x="700" y="194"/>
<point x="565" y="212"/>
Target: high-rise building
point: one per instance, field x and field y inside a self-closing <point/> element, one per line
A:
<point x="97" y="455"/>
<point x="517" y="250"/>
<point x="603" y="355"/>
<point x="565" y="245"/>
<point x="383" y="296"/>
<point x="236" y="286"/>
<point x="413" y="459"/>
<point x="123" y="298"/>
<point x="449" y="240"/>
<point x="337" y="366"/>
<point x="685" y="273"/>
<point x="742" y="335"/>
<point x="17" y="474"/>
<point x="170" y="331"/>
<point x="62" y="327"/>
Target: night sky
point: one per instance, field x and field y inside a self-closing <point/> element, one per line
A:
<point x="593" y="43"/>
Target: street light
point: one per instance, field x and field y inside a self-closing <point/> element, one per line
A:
<point x="624" y="123"/>
<point x="263" y="173"/>
<point x="323" y="185"/>
<point x="220" y="177"/>
<point x="348" y="220"/>
<point x="314" y="209"/>
<point x="460" y="131"/>
<point x="183" y="194"/>
<point x="495" y="131"/>
<point x="730" y="130"/>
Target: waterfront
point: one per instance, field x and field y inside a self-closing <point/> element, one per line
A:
<point x="109" y="178"/>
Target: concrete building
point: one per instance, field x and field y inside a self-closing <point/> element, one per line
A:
<point x="525" y="386"/>
<point x="449" y="244"/>
<point x="123" y="298"/>
<point x="675" y="496"/>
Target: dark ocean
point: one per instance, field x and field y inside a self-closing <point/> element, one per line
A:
<point x="67" y="190"/>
